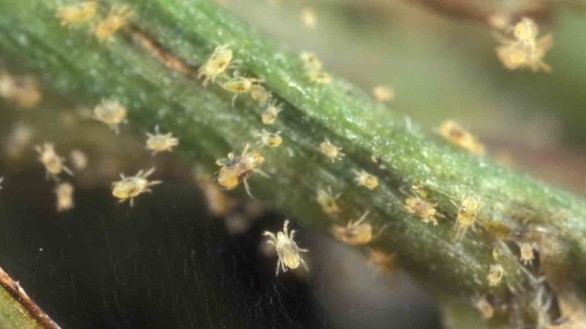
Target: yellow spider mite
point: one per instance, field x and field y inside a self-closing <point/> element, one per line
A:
<point x="383" y="93"/>
<point x="77" y="13"/>
<point x="365" y="179"/>
<point x="160" y="142"/>
<point x="287" y="249"/>
<point x="382" y="261"/>
<point x="22" y="91"/>
<point x="239" y="85"/>
<point x="260" y="94"/>
<point x="269" y="139"/>
<point x="526" y="254"/>
<point x="423" y="209"/>
<point x="466" y="215"/>
<point x="354" y="234"/>
<point x="525" y="50"/>
<point x="54" y="164"/>
<point x="309" y="17"/>
<point x="320" y="77"/>
<point x="79" y="159"/>
<point x="238" y="168"/>
<point x="327" y="200"/>
<point x="116" y="20"/>
<point x="64" y="192"/>
<point x="330" y="150"/>
<point x="457" y="135"/>
<point x="216" y="65"/>
<point x="18" y="140"/>
<point x="484" y="307"/>
<point x="311" y="61"/>
<point x="495" y="275"/>
<point x="270" y="114"/>
<point x="132" y="186"/>
<point x="112" y="113"/>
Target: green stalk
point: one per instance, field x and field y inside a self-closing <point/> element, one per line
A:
<point x="73" y="64"/>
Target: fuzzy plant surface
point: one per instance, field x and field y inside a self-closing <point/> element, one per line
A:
<point x="150" y="66"/>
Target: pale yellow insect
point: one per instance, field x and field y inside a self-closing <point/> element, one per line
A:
<point x="238" y="168"/>
<point x="23" y="91"/>
<point x="382" y="261"/>
<point x="423" y="209"/>
<point x="311" y="61"/>
<point x="466" y="215"/>
<point x="457" y="135"/>
<point x="78" y="13"/>
<point x="54" y="164"/>
<point x="260" y="94"/>
<point x="112" y="113"/>
<point x="524" y="50"/>
<point x="357" y="233"/>
<point x="216" y="65"/>
<point x="64" y="192"/>
<point x="269" y="139"/>
<point x="270" y="114"/>
<point x="365" y="179"/>
<point x="484" y="307"/>
<point x="79" y="159"/>
<point x="330" y="150"/>
<point x="309" y="17"/>
<point x="132" y="186"/>
<point x="495" y="275"/>
<point x="320" y="77"/>
<point x="18" y="140"/>
<point x="499" y="21"/>
<point x="287" y="249"/>
<point x="327" y="200"/>
<point x="158" y="142"/>
<point x="239" y="85"/>
<point x="116" y="20"/>
<point x="526" y="254"/>
<point x="383" y="93"/>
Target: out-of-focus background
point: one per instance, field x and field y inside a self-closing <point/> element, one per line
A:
<point x="171" y="262"/>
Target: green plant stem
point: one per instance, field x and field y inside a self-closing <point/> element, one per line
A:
<point x="75" y="65"/>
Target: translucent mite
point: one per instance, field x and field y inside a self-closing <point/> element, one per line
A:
<point x="524" y="50"/>
<point x="269" y="116"/>
<point x="260" y="94"/>
<point x="132" y="186"/>
<point x="158" y="142"/>
<point x="383" y="93"/>
<point x="309" y="18"/>
<point x="330" y="150"/>
<point x="320" y="77"/>
<point x="112" y="113"/>
<point x="216" y="65"/>
<point x="457" y="135"/>
<point x="382" y="261"/>
<point x="499" y="21"/>
<point x="22" y="91"/>
<point x="484" y="307"/>
<point x="238" y="168"/>
<point x="466" y="215"/>
<point x="311" y="61"/>
<point x="116" y="20"/>
<point x="79" y="159"/>
<point x="357" y="233"/>
<point x="495" y="275"/>
<point x="269" y="139"/>
<point x="78" y="13"/>
<point x="18" y="140"/>
<point x="64" y="192"/>
<point x="54" y="164"/>
<point x="239" y="85"/>
<point x="423" y="209"/>
<point x="287" y="249"/>
<point x="365" y="179"/>
<point x="526" y="254"/>
<point x="327" y="200"/>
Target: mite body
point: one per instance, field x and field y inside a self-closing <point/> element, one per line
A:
<point x="327" y="201"/>
<point x="457" y="135"/>
<point x="287" y="249"/>
<point x="132" y="186"/>
<point x="382" y="261"/>
<point x="158" y="142"/>
<point x="365" y="179"/>
<point x="358" y="233"/>
<point x="270" y="114"/>
<point x="269" y="139"/>
<point x="64" y="192"/>
<point x="112" y="113"/>
<point x="425" y="210"/>
<point x="240" y="85"/>
<point x="236" y="169"/>
<point x="495" y="275"/>
<point x="466" y="215"/>
<point x="54" y="164"/>
<point x="330" y="150"/>
<point x="216" y="65"/>
<point x="116" y="20"/>
<point x="77" y="14"/>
